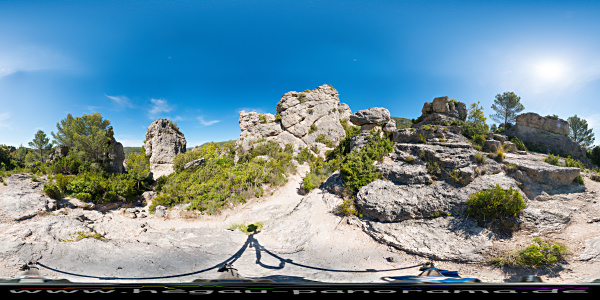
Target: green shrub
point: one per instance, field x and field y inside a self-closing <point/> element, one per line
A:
<point x="552" y="159"/>
<point x="53" y="191"/>
<point x="518" y="143"/>
<point x="479" y="139"/>
<point x="220" y="182"/>
<point x="578" y="179"/>
<point x="573" y="163"/>
<point x="409" y="159"/>
<point x="434" y="169"/>
<point x="496" y="206"/>
<point x="347" y="208"/>
<point x="66" y="165"/>
<point x="539" y="253"/>
<point x="479" y="158"/>
<point x="357" y="169"/>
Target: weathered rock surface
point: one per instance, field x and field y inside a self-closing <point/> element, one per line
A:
<point x="536" y="176"/>
<point x="546" y="135"/>
<point x="440" y="111"/>
<point x="373" y="115"/>
<point x="163" y="142"/>
<point x="24" y="199"/>
<point x="304" y="120"/>
<point x="116" y="157"/>
<point x="194" y="163"/>
<point x="553" y="125"/>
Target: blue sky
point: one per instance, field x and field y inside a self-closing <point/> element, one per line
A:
<point x="199" y="63"/>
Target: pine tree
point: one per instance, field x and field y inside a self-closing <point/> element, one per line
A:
<point x="507" y="106"/>
<point x="579" y="132"/>
<point x="40" y="143"/>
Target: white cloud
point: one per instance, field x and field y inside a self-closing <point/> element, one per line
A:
<point x="207" y="123"/>
<point x="4" y="120"/>
<point x="120" y="100"/>
<point x="159" y="106"/>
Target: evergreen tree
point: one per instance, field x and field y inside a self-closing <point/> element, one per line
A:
<point x="88" y="136"/>
<point x="475" y="124"/>
<point x="138" y="166"/>
<point x="40" y="143"/>
<point x="507" y="106"/>
<point x="579" y="132"/>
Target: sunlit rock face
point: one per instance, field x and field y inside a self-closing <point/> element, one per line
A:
<point x="163" y="142"/>
<point x="546" y="135"/>
<point x="553" y="125"/>
<point x="310" y="119"/>
<point x="440" y="111"/>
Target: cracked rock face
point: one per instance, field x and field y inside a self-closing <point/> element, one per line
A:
<point x="163" y="142"/>
<point x="303" y="120"/>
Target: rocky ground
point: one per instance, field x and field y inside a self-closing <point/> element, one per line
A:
<point x="302" y="239"/>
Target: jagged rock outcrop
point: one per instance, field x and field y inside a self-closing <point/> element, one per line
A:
<point x="440" y="111"/>
<point x="374" y="119"/>
<point x="304" y="120"/>
<point x="536" y="177"/>
<point x="546" y="135"/>
<point x="116" y="156"/>
<point x="59" y="151"/>
<point x="550" y="124"/>
<point x="163" y="142"/>
<point x="418" y="204"/>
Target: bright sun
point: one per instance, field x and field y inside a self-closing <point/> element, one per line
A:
<point x="550" y="71"/>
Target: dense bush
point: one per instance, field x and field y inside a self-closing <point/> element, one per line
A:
<point x="552" y="159"/>
<point x="496" y="206"/>
<point x="357" y="167"/>
<point x="539" y="253"/>
<point x="94" y="186"/>
<point x="518" y="143"/>
<point x="220" y="182"/>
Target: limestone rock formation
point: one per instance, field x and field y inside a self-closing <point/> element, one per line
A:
<point x="116" y="157"/>
<point x="375" y="119"/>
<point x="546" y="135"/>
<point x="304" y="120"/>
<point x="429" y="176"/>
<point x="440" y="111"/>
<point x="163" y="142"/>
<point x="550" y="124"/>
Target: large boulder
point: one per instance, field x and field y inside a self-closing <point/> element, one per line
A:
<point x="544" y="141"/>
<point x="163" y="142"/>
<point x="550" y="124"/>
<point x="440" y="111"/>
<point x="310" y="119"/>
<point x="373" y="115"/>
<point x="116" y="156"/>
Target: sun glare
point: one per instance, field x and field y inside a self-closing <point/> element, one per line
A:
<point x="550" y="71"/>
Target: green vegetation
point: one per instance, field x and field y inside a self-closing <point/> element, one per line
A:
<point x="347" y="208"/>
<point x="41" y="143"/>
<point x="247" y="228"/>
<point x="518" y="143"/>
<point x="80" y="235"/>
<point x="434" y="169"/>
<point x="479" y="158"/>
<point x="221" y="182"/>
<point x="579" y="132"/>
<point x="496" y="207"/>
<point x="402" y="123"/>
<point x="87" y="137"/>
<point x="357" y="168"/>
<point x="475" y="127"/>
<point x="539" y="253"/>
<point x="507" y="106"/>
